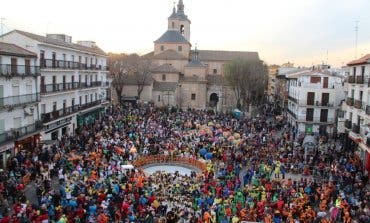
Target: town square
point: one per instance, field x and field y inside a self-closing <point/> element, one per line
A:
<point x="180" y="132"/>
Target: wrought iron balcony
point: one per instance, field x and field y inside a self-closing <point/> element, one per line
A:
<point x="350" y="101"/>
<point x="355" y="128"/>
<point x="352" y="79"/>
<point x="18" y="100"/>
<point x="14" y="134"/>
<point x="55" y="88"/>
<point x="367" y="109"/>
<point x="348" y="124"/>
<point x="50" y="116"/>
<point x="9" y="70"/>
<point x="69" y="65"/>
<point x="358" y="104"/>
<point x="360" y="80"/>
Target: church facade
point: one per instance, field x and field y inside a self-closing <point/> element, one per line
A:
<point x="187" y="78"/>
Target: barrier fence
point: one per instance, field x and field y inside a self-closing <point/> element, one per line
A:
<point x="162" y="159"/>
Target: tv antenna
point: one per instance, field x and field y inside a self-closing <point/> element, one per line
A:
<point x="356" y="37"/>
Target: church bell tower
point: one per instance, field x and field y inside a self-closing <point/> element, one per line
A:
<point x="179" y="21"/>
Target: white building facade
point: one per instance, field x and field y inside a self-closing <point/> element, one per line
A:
<point x="19" y="95"/>
<point x="73" y="83"/>
<point x="356" y="108"/>
<point x="313" y="100"/>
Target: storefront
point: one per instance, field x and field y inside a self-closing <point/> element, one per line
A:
<point x="5" y="152"/>
<point x="27" y="144"/>
<point x="89" y="117"/>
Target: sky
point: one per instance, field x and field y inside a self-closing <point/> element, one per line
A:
<point x="304" y="32"/>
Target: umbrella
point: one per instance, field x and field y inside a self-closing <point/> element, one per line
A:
<point x="127" y="167"/>
<point x="203" y="151"/>
<point x="208" y="156"/>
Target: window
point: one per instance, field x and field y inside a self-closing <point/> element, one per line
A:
<point x="96" y="96"/>
<point x="182" y="29"/>
<point x="73" y="58"/>
<point x="91" y="97"/>
<point x="159" y="98"/>
<point x="179" y="48"/>
<point x="315" y="80"/>
<point x="162" y="48"/>
<point x="86" y="97"/>
<point x="324" y="115"/>
<point x="309" y="114"/>
<point x="163" y="77"/>
<point x="214" y="71"/>
<point x="173" y="25"/>
<point x="80" y="101"/>
<point x="354" y="71"/>
<point x="325" y="99"/>
<point x="362" y="70"/>
<point x="310" y="98"/>
<point x="43" y="109"/>
<point x="54" y="106"/>
<point x="193" y="96"/>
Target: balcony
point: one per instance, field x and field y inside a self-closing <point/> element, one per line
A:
<point x="317" y="120"/>
<point x="69" y="65"/>
<point x="292" y="114"/>
<point x="292" y="99"/>
<point x="360" y="80"/>
<point x="50" y="116"/>
<point x="352" y="79"/>
<point x="9" y="70"/>
<point x="348" y="124"/>
<point x="14" y="134"/>
<point x="358" y="104"/>
<point x="350" y="101"/>
<point x="18" y="100"/>
<point x="56" y="88"/>
<point x="355" y="128"/>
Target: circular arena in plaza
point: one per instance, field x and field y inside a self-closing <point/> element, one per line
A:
<point x="182" y="165"/>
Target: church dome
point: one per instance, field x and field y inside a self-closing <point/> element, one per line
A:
<point x="171" y="36"/>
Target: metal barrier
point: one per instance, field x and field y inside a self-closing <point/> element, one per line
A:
<point x="158" y="159"/>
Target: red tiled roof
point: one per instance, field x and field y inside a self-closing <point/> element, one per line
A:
<point x="362" y="60"/>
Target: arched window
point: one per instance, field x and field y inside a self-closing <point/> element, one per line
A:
<point x="182" y="29"/>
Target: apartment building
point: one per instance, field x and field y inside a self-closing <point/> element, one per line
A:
<point x="356" y="109"/>
<point x="314" y="96"/>
<point x="73" y="83"/>
<point x="19" y="95"/>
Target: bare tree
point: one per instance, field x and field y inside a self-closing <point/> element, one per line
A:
<point x="248" y="79"/>
<point x="122" y="65"/>
<point x="142" y="73"/>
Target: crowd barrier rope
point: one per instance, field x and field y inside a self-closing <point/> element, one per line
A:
<point x="160" y="159"/>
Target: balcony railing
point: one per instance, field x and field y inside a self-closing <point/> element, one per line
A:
<point x="292" y="99"/>
<point x="19" y="100"/>
<point x="355" y="128"/>
<point x="317" y="120"/>
<point x="350" y="101"/>
<point x="18" y="70"/>
<point x="55" y="88"/>
<point x="292" y="114"/>
<point x="17" y="133"/>
<point x="69" y="65"/>
<point x="360" y="80"/>
<point x="352" y="79"/>
<point x="367" y="109"/>
<point x="358" y="104"/>
<point x="50" y="116"/>
<point x="348" y="124"/>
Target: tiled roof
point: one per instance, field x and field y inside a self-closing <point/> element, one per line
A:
<point x="43" y="39"/>
<point x="171" y="36"/>
<point x="165" y="68"/>
<point x="363" y="60"/>
<point x="169" y="55"/>
<point x="164" y="86"/>
<point x="14" y="50"/>
<point x="217" y="55"/>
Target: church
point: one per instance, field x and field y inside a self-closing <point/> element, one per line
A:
<point x="184" y="77"/>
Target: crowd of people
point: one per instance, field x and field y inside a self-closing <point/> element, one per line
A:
<point x="256" y="172"/>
